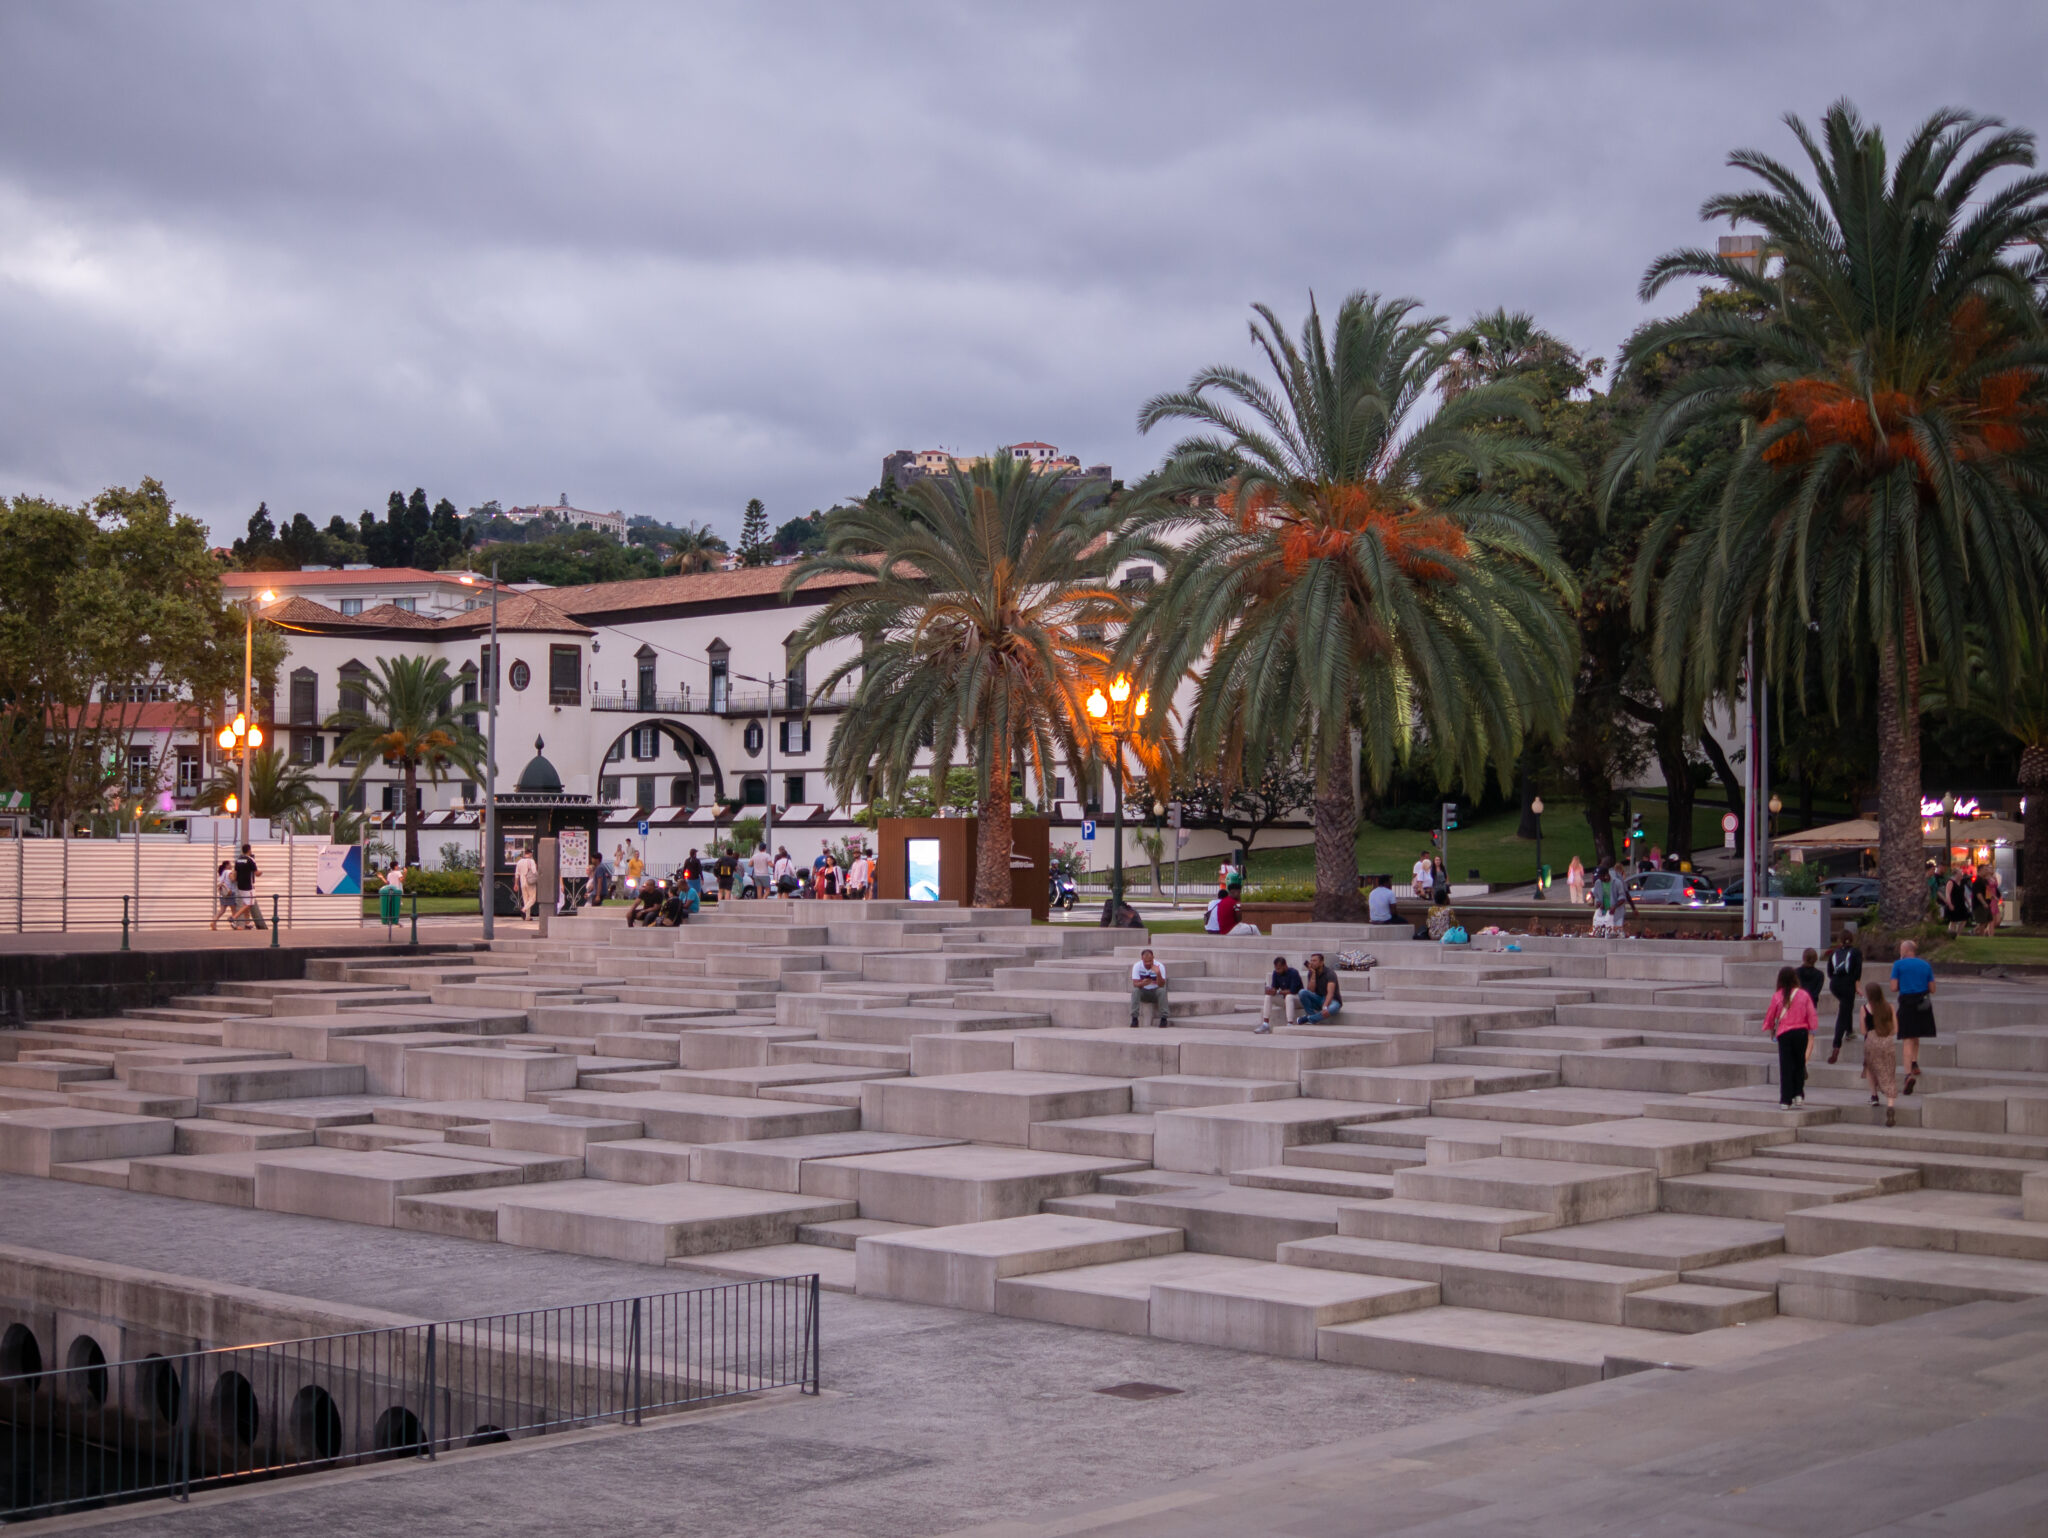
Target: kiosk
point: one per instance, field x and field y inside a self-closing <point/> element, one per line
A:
<point x="537" y="808"/>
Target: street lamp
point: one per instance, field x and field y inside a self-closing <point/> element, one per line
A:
<point x="1948" y="839"/>
<point x="1119" y="715"/>
<point x="244" y="733"/>
<point x="1536" y="811"/>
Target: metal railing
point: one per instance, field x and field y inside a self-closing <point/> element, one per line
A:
<point x="94" y="1433"/>
<point x="731" y="702"/>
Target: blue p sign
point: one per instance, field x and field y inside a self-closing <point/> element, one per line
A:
<point x="1088" y="830"/>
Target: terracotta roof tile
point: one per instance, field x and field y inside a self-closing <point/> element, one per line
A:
<point x="301" y="611"/>
<point x="391" y="617"/>
<point x="598" y="598"/>
<point x="517" y="612"/>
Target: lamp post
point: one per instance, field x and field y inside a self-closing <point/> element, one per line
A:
<point x="1118" y="715"/>
<point x="487" y="874"/>
<point x="1948" y="838"/>
<point x="1536" y="811"/>
<point x="244" y="733"/>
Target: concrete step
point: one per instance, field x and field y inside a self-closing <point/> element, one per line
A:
<point x="1688" y="1308"/>
<point x="1180" y="1091"/>
<point x="1657" y="1070"/>
<point x="1880" y="1179"/>
<point x="1656" y="1241"/>
<point x="1491" y="1279"/>
<point x="1238" y="1220"/>
<point x="681" y="1118"/>
<point x="994" y="1107"/>
<point x="1275" y="1310"/>
<point x="1571" y="1193"/>
<point x="1762" y="1198"/>
<point x="1126" y="1135"/>
<point x="1353" y="1185"/>
<point x="1880" y="1284"/>
<point x="256" y="1079"/>
<point x="896" y="1026"/>
<point x="845" y="1054"/>
<point x="1548" y="1107"/>
<point x="1359" y="1158"/>
<point x="1959" y="1221"/>
<point x="963" y="1266"/>
<point x="1419" y="1084"/>
<point x="766" y="1081"/>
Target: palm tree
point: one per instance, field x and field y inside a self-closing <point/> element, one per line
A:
<point x="410" y="718"/>
<point x="1887" y="373"/>
<point x="697" y="549"/>
<point x="279" y="790"/>
<point x="1337" y="571"/>
<point x="980" y="590"/>
<point x="1497" y="346"/>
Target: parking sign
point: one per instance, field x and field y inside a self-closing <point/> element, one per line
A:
<point x="643" y="827"/>
<point x="1088" y="831"/>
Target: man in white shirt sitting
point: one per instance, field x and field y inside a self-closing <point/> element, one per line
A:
<point x="1148" y="989"/>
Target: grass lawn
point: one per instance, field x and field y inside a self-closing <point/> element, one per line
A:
<point x="1489" y="844"/>
<point x="427" y="905"/>
<point x="2015" y="950"/>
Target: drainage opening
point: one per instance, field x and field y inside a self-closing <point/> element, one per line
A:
<point x="1139" y="1391"/>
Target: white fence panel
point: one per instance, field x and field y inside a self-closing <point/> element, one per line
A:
<point x="51" y="884"/>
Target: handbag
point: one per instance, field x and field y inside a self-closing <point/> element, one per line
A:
<point x="1356" y="961"/>
<point x="1456" y="935"/>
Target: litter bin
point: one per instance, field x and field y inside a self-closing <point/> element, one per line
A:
<point x="387" y="903"/>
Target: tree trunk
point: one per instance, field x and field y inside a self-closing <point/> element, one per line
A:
<point x="2034" y="847"/>
<point x="1672" y="762"/>
<point x="1596" y="795"/>
<point x="1902" y="884"/>
<point x="1336" y="819"/>
<point x="1731" y="782"/>
<point x="412" y="814"/>
<point x="992" y="836"/>
<point x="1530" y="826"/>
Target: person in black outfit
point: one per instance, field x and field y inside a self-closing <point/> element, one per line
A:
<point x="1810" y="976"/>
<point x="245" y="886"/>
<point x="1845" y="982"/>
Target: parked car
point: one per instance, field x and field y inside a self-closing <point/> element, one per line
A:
<point x="1731" y="895"/>
<point x="1670" y="888"/>
<point x="1852" y="891"/>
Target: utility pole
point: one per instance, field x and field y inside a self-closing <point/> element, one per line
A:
<point x="248" y="708"/>
<point x="769" y="837"/>
<point x="487" y="884"/>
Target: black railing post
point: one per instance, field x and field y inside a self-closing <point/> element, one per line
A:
<point x="415" y="917"/>
<point x="429" y="1390"/>
<point x="124" y="921"/>
<point x="273" y="920"/>
<point x="816" y="1381"/>
<point x="184" y="1428"/>
<point x="633" y="1373"/>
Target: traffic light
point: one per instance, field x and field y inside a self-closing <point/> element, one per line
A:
<point x="1450" y="816"/>
<point x="1436" y="838"/>
<point x="1635" y="827"/>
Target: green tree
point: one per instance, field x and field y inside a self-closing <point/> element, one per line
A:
<point x="2018" y="705"/>
<point x="692" y="548"/>
<point x="970" y="624"/>
<point x="1888" y="377"/>
<point x="1338" y="572"/>
<point x="410" y="717"/>
<point x="103" y="609"/>
<point x="755" y="547"/>
<point x="569" y="558"/>
<point x="801" y="536"/>
<point x="279" y="789"/>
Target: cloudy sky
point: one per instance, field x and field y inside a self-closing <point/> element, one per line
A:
<point x="665" y="257"/>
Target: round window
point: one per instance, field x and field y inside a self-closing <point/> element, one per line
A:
<point x="522" y="675"/>
<point x="753" y="737"/>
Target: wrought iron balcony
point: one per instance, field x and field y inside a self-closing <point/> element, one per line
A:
<point x="730" y="702"/>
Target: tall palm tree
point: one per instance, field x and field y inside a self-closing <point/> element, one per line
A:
<point x="1498" y="345"/>
<point x="1337" y="571"/>
<point x="984" y="586"/>
<point x="279" y="789"/>
<point x="410" y="717"/>
<point x="697" y="549"/>
<point x="1887" y="371"/>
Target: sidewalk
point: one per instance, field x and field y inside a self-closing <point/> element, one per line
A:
<point x="438" y="930"/>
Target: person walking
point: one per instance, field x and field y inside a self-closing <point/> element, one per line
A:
<point x="1575" y="880"/>
<point x="1845" y="982"/>
<point x="786" y="882"/>
<point x="859" y="875"/>
<point x="1881" y="1051"/>
<point x="1790" y="1019"/>
<point x="246" y="873"/>
<point x="1609" y="893"/>
<point x="762" y="867"/>
<point x="1811" y="978"/>
<point x="224" y="896"/>
<point x="1987" y="897"/>
<point x="636" y="868"/>
<point x="827" y="876"/>
<point x="693" y="869"/>
<point x="1955" y="900"/>
<point x="526" y="877"/>
<point x="1282" y="989"/>
<point x="1148" y="989"/>
<point x="1912" y="979"/>
<point x="726" y="867"/>
<point x="1321" y="995"/>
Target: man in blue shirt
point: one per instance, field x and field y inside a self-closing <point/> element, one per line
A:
<point x="1913" y="981"/>
<point x="1379" y="904"/>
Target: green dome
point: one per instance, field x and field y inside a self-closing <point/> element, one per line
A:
<point x="539" y="778"/>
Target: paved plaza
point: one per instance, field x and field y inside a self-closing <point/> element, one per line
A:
<point x="1495" y="1174"/>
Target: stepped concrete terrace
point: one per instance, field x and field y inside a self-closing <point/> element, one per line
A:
<point x="1526" y="1169"/>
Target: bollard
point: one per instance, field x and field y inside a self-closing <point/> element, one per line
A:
<point x="415" y="916"/>
<point x="273" y="921"/>
<point x="124" y="921"/>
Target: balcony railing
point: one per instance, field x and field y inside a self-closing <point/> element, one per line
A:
<point x="731" y="702"/>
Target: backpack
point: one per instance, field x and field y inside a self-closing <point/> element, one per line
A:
<point x="1209" y="923"/>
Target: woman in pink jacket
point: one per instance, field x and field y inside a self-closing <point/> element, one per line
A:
<point x="1791" y="1019"/>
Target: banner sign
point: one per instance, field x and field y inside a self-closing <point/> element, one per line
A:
<point x="340" y="871"/>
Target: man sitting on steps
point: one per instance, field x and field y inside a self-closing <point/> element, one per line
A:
<point x="1148" y="989"/>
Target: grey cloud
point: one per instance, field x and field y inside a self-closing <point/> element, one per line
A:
<point x="667" y="258"/>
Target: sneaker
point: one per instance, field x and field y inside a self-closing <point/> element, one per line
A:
<point x="1134" y="1022"/>
<point x="1877" y="1100"/>
<point x="1891" y="1116"/>
<point x="1799" y="1100"/>
<point x="1262" y="1030"/>
<point x="1832" y="1056"/>
<point x="1912" y="1079"/>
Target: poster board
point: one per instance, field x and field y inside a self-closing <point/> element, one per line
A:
<point x="574" y="853"/>
<point x="339" y="871"/>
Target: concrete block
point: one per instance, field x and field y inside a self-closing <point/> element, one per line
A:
<point x="484" y="1073"/>
<point x="963" y="1052"/>
<point x="1504" y="1283"/>
<point x="833" y="1268"/>
<point x="653" y="1224"/>
<point x="225" y="1179"/>
<point x="1666" y="1147"/>
<point x="1764" y="1198"/>
<point x="1878" y="1284"/>
<point x="1572" y="1193"/>
<point x="200" y="1135"/>
<point x="967" y="1183"/>
<point x="710" y="1118"/>
<point x="1688" y="1308"/>
<point x="1237" y="1220"/>
<point x="959" y="1267"/>
<point x="2034" y="1197"/>
<point x="1128" y="1136"/>
<point x="1103" y="1054"/>
<point x="383" y="1055"/>
<point x="531" y="1167"/>
<point x="988" y="1107"/>
<point x="1547" y="1107"/>
<point x="1352" y="1185"/>
<point x="32" y="1140"/>
<point x="1439" y="1223"/>
<point x="1655" y="1241"/>
<point x="1115" y="1296"/>
<point x="1276" y="1310"/>
<point x="1467" y="1345"/>
<point x="364" y="1187"/>
<point x="1282" y="1055"/>
<point x="1178" y="1091"/>
<point x="262" y="1079"/>
<point x="1217" y="1139"/>
<point x="780" y="1164"/>
<point x="563" y="1136"/>
<point x="1955" y="1221"/>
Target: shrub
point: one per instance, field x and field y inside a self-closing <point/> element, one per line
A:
<point x="458" y="857"/>
<point x="432" y="883"/>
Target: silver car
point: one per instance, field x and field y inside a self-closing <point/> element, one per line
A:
<point x="1672" y="889"/>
